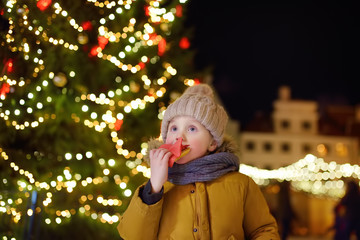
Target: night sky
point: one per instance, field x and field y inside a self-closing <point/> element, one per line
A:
<point x="256" y="47"/>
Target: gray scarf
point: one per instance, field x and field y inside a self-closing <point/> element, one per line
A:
<point x="204" y="169"/>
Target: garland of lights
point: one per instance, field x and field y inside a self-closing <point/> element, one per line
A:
<point x="311" y="174"/>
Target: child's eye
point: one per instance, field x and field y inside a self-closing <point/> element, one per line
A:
<point x="192" y="129"/>
<point x="173" y="129"/>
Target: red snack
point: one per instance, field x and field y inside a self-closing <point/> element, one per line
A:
<point x="177" y="149"/>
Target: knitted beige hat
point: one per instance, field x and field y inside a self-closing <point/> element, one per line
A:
<point x="198" y="102"/>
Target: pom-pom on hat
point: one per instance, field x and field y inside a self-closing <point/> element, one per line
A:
<point x="198" y="102"/>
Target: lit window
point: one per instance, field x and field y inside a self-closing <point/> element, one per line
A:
<point x="341" y="149"/>
<point x="322" y="149"/>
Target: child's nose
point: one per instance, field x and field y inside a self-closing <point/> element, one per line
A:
<point x="180" y="136"/>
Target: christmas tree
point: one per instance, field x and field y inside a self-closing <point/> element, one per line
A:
<point x="83" y="87"/>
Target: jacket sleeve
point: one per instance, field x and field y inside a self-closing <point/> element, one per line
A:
<point x="148" y="197"/>
<point x="140" y="220"/>
<point x="259" y="224"/>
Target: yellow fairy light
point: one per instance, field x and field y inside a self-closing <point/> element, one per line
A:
<point x="127" y="192"/>
<point x="111" y="162"/>
<point x="58" y="220"/>
<point x="106" y="171"/>
<point x="68" y="156"/>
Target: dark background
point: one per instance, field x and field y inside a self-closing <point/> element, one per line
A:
<point x="256" y="47"/>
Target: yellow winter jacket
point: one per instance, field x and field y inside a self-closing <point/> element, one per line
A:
<point x="230" y="207"/>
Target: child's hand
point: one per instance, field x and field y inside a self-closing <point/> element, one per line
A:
<point x="159" y="163"/>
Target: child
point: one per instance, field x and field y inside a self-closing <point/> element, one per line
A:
<point x="203" y="196"/>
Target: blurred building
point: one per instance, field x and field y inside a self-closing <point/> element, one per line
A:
<point x="296" y="128"/>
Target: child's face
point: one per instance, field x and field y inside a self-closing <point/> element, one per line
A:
<point x="194" y="134"/>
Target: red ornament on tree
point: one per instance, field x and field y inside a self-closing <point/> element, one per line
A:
<point x="87" y="26"/>
<point x="9" y="66"/>
<point x="147" y="12"/>
<point x="102" y="41"/>
<point x="184" y="43"/>
<point x="142" y="65"/>
<point x="161" y="47"/>
<point x="43" y="4"/>
<point x="179" y="10"/>
<point x="118" y="124"/>
<point x="94" y="51"/>
<point x="152" y="36"/>
<point x="5" y="88"/>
